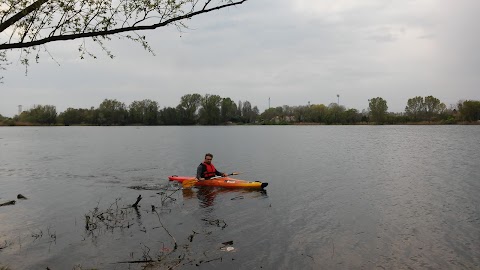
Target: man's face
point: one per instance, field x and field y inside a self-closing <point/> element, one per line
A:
<point x="208" y="159"/>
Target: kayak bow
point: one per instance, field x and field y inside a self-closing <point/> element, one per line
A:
<point x="225" y="182"/>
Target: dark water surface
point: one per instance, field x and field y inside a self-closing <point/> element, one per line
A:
<point x="339" y="197"/>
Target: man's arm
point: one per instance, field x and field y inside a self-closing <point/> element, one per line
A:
<point x="217" y="172"/>
<point x="199" y="171"/>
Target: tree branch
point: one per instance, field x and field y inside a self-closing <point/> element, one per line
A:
<point x="104" y="33"/>
<point x="36" y="5"/>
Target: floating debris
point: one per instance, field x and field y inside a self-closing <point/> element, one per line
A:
<point x="227" y="249"/>
<point x="190" y="237"/>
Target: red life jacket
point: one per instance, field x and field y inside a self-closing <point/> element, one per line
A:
<point x="210" y="170"/>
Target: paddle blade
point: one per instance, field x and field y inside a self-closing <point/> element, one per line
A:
<point x="189" y="183"/>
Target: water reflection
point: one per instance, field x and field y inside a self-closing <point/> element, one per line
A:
<point x="340" y="197"/>
<point x="207" y="195"/>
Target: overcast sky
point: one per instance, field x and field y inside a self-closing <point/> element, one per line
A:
<point x="291" y="51"/>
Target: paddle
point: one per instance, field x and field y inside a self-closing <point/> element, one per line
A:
<point x="191" y="182"/>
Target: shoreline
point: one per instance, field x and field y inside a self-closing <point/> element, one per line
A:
<point x="423" y="123"/>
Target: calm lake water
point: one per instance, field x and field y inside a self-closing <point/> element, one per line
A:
<point x="339" y="197"/>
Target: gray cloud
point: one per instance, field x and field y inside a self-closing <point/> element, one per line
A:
<point x="292" y="51"/>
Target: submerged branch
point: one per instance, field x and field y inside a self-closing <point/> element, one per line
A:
<point x="139" y="198"/>
<point x="168" y="232"/>
<point x="8" y="203"/>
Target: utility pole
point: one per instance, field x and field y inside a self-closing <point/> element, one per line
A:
<point x="269" y="102"/>
<point x="338" y="107"/>
<point x="19" y="109"/>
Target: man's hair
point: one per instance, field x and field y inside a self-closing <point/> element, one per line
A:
<point x="208" y="155"/>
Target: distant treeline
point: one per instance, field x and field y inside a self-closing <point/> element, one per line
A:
<point x="195" y="109"/>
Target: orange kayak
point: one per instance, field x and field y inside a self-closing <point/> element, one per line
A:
<point x="225" y="182"/>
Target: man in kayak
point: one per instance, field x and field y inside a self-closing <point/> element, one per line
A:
<point x="206" y="170"/>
